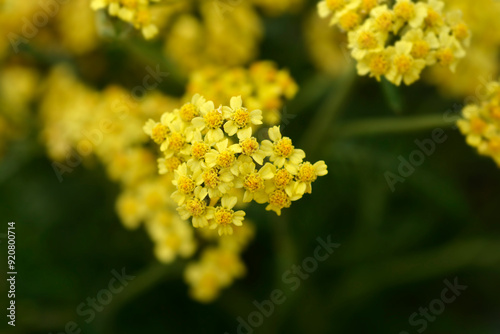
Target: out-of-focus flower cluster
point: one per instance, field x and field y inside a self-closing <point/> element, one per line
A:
<point x="112" y="135"/>
<point x="200" y="33"/>
<point x="481" y="123"/>
<point x="481" y="64"/>
<point x="262" y="86"/>
<point x="213" y="157"/>
<point x="135" y="12"/>
<point x="398" y="42"/>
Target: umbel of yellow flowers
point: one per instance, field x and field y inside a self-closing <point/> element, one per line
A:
<point x="398" y="42"/>
<point x="480" y="123"/>
<point x="214" y="159"/>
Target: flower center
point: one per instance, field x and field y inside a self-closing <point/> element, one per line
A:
<point x="214" y="119"/>
<point x="211" y="178"/>
<point x="185" y="184"/>
<point x="461" y="31"/>
<point x="379" y="64"/>
<point x="367" y="40"/>
<point x="477" y="125"/>
<point x="445" y="57"/>
<point x="280" y="199"/>
<point x="284" y="147"/>
<point x="368" y="5"/>
<point x="196" y="207"/>
<point x="282" y="178"/>
<point x="159" y="133"/>
<point x="172" y="163"/>
<point x="199" y="149"/>
<point x="188" y="112"/>
<point x="403" y="63"/>
<point x="241" y="117"/>
<point x="177" y="141"/>
<point x="404" y="10"/>
<point x="384" y="21"/>
<point x="253" y="182"/>
<point x="225" y="159"/>
<point x="307" y="173"/>
<point x="433" y="19"/>
<point x="420" y="49"/>
<point x="223" y="216"/>
<point x="249" y="146"/>
<point x="349" y="20"/>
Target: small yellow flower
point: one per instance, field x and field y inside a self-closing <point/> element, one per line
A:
<point x="223" y="156"/>
<point x="383" y="18"/>
<point x="250" y="148"/>
<point x="406" y="11"/>
<point x="157" y="131"/>
<point x="278" y="200"/>
<point x="253" y="181"/>
<point x="218" y="182"/>
<point x="423" y="45"/>
<point x="196" y="207"/>
<point x="281" y="151"/>
<point x="434" y="20"/>
<point x="366" y="39"/>
<point x="211" y="119"/>
<point x="376" y="64"/>
<point x="307" y="174"/>
<point x="240" y="120"/>
<point x="225" y="216"/>
<point x="450" y="51"/>
<point x="186" y="183"/>
<point x="404" y="66"/>
<point x="473" y="126"/>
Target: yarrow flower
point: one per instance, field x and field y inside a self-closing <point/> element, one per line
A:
<point x="216" y="157"/>
<point x="399" y="42"/>
<point x="480" y="123"/>
<point x="136" y="12"/>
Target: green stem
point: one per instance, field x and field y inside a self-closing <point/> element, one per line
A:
<point x="322" y="122"/>
<point x="392" y="125"/>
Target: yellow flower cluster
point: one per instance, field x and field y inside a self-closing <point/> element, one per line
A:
<point x="112" y="135"/>
<point x="327" y="48"/>
<point x="481" y="63"/>
<point x="262" y="86"/>
<point x="481" y="123"/>
<point x="136" y="12"/>
<point x="210" y="169"/>
<point x="72" y="26"/>
<point x="399" y="42"/>
<point x="213" y="35"/>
